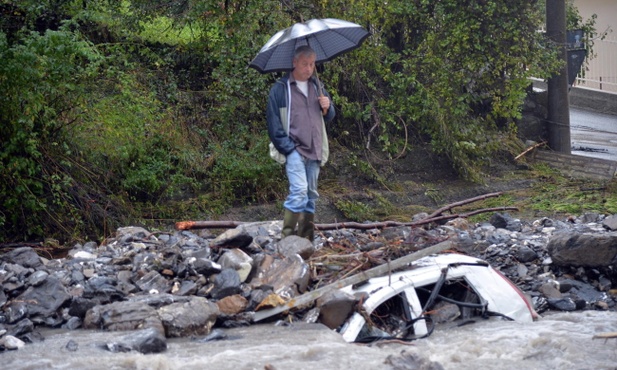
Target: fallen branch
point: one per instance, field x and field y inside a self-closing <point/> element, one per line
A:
<point x="609" y="335"/>
<point x="428" y="220"/>
<point x="530" y="149"/>
<point x="436" y="216"/>
<point x="189" y="225"/>
<point x="380" y="270"/>
<point x="463" y="202"/>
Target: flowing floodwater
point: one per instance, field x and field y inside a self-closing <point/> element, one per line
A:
<point x="556" y="341"/>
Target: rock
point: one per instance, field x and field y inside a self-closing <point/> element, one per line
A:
<point x="131" y="233"/>
<point x="287" y="277"/>
<point x="73" y="323"/>
<point x="144" y="341"/>
<point x="15" y="311"/>
<point x="505" y="221"/>
<point x="583" y="291"/>
<point x="522" y="270"/>
<point x="195" y="317"/>
<point x="237" y="260"/>
<point x="205" y="266"/>
<point x="185" y="288"/>
<point x="237" y="237"/>
<point x="411" y="361"/>
<point x="84" y="255"/>
<point x="526" y="254"/>
<point x="459" y="223"/>
<point x="102" y="287"/>
<point x="21" y="329"/>
<point x="44" y="300"/>
<point x="71" y="346"/>
<point x="499" y="236"/>
<point x="79" y="306"/>
<point x="589" y="250"/>
<point x="153" y="281"/>
<point x="24" y="256"/>
<point x="562" y="304"/>
<point x="610" y="222"/>
<point x="335" y="307"/>
<point x="158" y="300"/>
<point x="590" y="217"/>
<point x="294" y="244"/>
<point x="38" y="277"/>
<point x="11" y="343"/>
<point x="226" y="283"/>
<point x="257" y="296"/>
<point x="232" y="305"/>
<point x="550" y="290"/>
<point x="216" y="334"/>
<point x="119" y="316"/>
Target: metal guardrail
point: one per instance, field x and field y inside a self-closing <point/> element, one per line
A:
<point x="601" y="73"/>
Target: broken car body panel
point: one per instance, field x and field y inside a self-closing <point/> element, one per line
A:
<point x="409" y="297"/>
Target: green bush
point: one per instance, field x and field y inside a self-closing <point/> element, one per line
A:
<point x="41" y="76"/>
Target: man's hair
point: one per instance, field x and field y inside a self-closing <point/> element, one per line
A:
<point x="304" y="51"/>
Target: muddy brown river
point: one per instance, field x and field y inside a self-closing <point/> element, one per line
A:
<point x="556" y="341"/>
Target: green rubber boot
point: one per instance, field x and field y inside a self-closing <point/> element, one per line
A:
<point x="289" y="223"/>
<point x="306" y="226"/>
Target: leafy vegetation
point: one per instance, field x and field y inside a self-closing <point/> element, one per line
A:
<point x="116" y="112"/>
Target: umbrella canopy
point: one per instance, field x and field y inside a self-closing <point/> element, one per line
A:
<point x="328" y="37"/>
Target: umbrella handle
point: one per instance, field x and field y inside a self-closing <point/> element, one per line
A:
<point x="318" y="83"/>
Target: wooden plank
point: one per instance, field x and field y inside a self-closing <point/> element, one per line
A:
<point x="578" y="166"/>
<point x="380" y="270"/>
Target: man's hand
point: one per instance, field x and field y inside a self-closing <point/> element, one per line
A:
<point x="324" y="103"/>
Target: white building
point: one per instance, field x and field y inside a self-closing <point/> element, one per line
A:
<point x="602" y="69"/>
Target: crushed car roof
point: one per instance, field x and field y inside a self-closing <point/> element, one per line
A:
<point x="411" y="298"/>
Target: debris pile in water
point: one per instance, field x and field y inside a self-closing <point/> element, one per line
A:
<point x="187" y="283"/>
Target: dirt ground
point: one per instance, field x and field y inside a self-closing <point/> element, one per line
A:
<point x="417" y="182"/>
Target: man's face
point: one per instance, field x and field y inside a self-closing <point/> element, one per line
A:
<point x="304" y="65"/>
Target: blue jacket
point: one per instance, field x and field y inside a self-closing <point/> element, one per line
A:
<point x="277" y="117"/>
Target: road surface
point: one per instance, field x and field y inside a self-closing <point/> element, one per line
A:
<point x="593" y="134"/>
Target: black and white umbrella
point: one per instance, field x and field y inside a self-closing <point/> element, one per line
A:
<point x="328" y="37"/>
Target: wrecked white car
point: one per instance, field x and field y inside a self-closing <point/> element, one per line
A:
<point x="436" y="289"/>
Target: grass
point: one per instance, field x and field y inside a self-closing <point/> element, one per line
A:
<point x="537" y="190"/>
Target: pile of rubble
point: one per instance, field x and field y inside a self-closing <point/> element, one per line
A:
<point x="187" y="283"/>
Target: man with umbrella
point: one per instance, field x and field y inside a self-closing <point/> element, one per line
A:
<point x="297" y="110"/>
<point x="299" y="107"/>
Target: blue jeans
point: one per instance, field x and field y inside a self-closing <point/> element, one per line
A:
<point x="302" y="174"/>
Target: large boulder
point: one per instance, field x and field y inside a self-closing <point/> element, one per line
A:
<point x="119" y="316"/>
<point x="288" y="277"/>
<point x="148" y="340"/>
<point x="583" y="249"/>
<point x="44" y="299"/>
<point x="24" y="256"/>
<point x="195" y="317"/>
<point x="294" y="244"/>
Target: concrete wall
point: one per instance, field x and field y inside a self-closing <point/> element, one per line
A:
<point x="593" y="100"/>
<point x="588" y="99"/>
